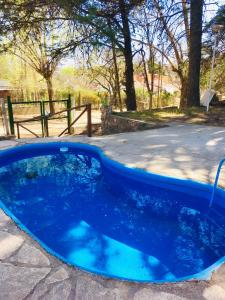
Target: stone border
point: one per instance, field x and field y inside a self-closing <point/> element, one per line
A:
<point x="7" y="137"/>
<point x="112" y="123"/>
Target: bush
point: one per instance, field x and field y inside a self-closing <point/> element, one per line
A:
<point x="81" y="96"/>
<point x="84" y="96"/>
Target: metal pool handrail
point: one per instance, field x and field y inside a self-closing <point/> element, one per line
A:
<point x="216" y="181"/>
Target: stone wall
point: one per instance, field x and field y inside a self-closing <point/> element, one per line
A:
<point x="112" y="123"/>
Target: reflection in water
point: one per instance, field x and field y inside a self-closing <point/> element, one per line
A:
<point x="108" y="223"/>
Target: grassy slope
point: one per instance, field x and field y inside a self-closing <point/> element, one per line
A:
<point x="216" y="115"/>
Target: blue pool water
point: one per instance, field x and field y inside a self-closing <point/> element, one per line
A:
<point x="105" y="218"/>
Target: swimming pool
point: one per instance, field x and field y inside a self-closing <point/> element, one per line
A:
<point x="105" y="218"/>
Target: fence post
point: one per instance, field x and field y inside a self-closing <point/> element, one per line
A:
<point x="69" y="113"/>
<point x="46" y="126"/>
<point x="89" y="124"/>
<point x="42" y="120"/>
<point x="11" y="118"/>
<point x="18" y="130"/>
<point x="4" y="117"/>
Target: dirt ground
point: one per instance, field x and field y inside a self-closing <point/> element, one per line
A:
<point x="55" y="126"/>
<point x="215" y="117"/>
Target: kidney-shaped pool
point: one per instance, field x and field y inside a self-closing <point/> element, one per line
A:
<point x="105" y="218"/>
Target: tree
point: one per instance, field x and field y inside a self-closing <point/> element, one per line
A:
<point x="40" y="35"/>
<point x="106" y="21"/>
<point x="208" y="46"/>
<point x="38" y="47"/>
<point x="218" y="19"/>
<point x="145" y="75"/>
<point x="171" y="16"/>
<point x="110" y="20"/>
<point x="180" y="30"/>
<point x="106" y="74"/>
<point x="195" y="46"/>
<point x="128" y="55"/>
<point x="117" y="25"/>
<point x="148" y="35"/>
<point x="118" y="96"/>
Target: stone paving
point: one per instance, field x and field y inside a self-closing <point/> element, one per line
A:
<point x="29" y="272"/>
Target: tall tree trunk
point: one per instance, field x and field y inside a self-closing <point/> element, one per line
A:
<point x="152" y="75"/>
<point x="117" y="78"/>
<point x="161" y="77"/>
<point x="145" y="73"/>
<point x="151" y="62"/>
<point x="193" y="92"/>
<point x="186" y="21"/>
<point x="159" y="82"/>
<point x="183" y="94"/>
<point x="151" y="68"/>
<point x="129" y="68"/>
<point x="50" y="94"/>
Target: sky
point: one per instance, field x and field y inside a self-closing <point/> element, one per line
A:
<point x="212" y="9"/>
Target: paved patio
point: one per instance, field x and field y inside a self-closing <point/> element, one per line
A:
<point x="29" y="272"/>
